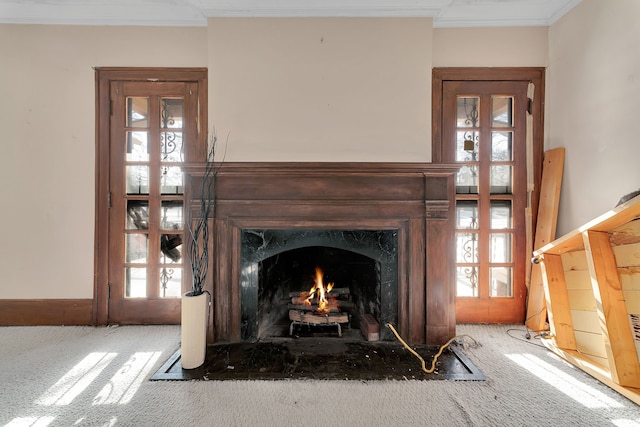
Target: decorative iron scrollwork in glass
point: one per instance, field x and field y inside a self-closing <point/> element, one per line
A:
<point x="171" y="147"/>
<point x="171" y="144"/>
<point x="470" y="254"/>
<point x="471" y="138"/>
<point x="467" y="247"/>
<point x="165" y="276"/>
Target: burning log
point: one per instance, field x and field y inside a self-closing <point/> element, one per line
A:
<point x="319" y="306"/>
<point x="336" y="292"/>
<point x="318" y="319"/>
<point x="299" y="300"/>
<point x="301" y="297"/>
<point x="312" y="308"/>
<point x="340" y="305"/>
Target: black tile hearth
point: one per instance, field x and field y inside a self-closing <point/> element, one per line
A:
<point x="323" y="358"/>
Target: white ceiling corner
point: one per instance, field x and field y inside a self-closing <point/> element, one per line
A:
<point x="445" y="13"/>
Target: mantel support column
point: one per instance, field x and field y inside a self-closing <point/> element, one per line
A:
<point x="440" y="258"/>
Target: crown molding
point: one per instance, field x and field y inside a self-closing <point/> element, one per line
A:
<point x="445" y="13"/>
<point x="496" y="13"/>
<point x="322" y="8"/>
<point x="561" y="11"/>
<point x="135" y="13"/>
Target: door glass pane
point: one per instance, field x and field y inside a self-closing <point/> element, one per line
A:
<point x="500" y="179"/>
<point x="501" y="146"/>
<point x="467" y="146"/>
<point x="467" y="214"/>
<point x="137" y="215"/>
<point x="468" y="112"/>
<point x="502" y="111"/>
<point x="171" y="149"/>
<point x="500" y="282"/>
<point x="171" y="180"/>
<point x="136" y="248"/>
<point x="171" y="215"/>
<point x="501" y="214"/>
<point x="137" y="179"/>
<point x="467" y="247"/>
<point x="172" y="112"/>
<point x="467" y="281"/>
<point x="500" y="247"/>
<point x="467" y="180"/>
<point x="137" y="147"/>
<point x="137" y="112"/>
<point x="170" y="248"/>
<point x="135" y="282"/>
<point x="170" y="282"/>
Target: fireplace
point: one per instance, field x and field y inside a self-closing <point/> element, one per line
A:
<point x="280" y="268"/>
<point x="384" y="231"/>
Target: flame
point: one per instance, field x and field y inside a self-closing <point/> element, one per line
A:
<point x="320" y="293"/>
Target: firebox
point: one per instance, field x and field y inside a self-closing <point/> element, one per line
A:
<point x="280" y="270"/>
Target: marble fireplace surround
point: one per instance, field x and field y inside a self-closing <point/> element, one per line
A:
<point x="414" y="199"/>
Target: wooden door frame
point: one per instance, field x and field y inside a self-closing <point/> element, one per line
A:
<point x="103" y="78"/>
<point x="535" y="75"/>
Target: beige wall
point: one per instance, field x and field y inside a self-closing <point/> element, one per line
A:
<point x="490" y="47"/>
<point x="594" y="87"/>
<point x="47" y="93"/>
<point x="322" y="89"/>
<point x="317" y="89"/>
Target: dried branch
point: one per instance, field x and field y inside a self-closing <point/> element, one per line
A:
<point x="199" y="233"/>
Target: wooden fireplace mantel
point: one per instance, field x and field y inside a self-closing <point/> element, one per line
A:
<point x="416" y="199"/>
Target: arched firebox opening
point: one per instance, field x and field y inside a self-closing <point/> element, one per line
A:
<point x="292" y="274"/>
<point x="280" y="268"/>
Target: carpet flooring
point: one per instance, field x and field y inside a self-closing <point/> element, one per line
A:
<point x="86" y="376"/>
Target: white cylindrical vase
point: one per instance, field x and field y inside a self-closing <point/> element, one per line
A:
<point x="193" y="346"/>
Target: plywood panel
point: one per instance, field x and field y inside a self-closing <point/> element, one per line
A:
<point x="627" y="255"/>
<point x="591" y="344"/>
<point x="629" y="278"/>
<point x="577" y="279"/>
<point x="575" y="260"/>
<point x="632" y="301"/>
<point x="581" y="299"/>
<point x="600" y="361"/>
<point x="586" y="321"/>
<point x="626" y="233"/>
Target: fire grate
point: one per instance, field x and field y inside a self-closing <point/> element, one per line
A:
<point x="310" y="320"/>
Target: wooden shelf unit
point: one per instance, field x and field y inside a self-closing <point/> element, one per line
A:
<point x="591" y="279"/>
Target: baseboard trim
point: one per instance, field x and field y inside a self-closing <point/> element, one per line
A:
<point x="45" y="312"/>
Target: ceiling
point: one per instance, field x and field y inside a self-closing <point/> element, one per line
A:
<point x="445" y="13"/>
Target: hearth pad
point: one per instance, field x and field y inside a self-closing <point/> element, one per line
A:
<point x="321" y="359"/>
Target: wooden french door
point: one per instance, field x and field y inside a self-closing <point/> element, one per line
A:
<point x="152" y="131"/>
<point x="483" y="129"/>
